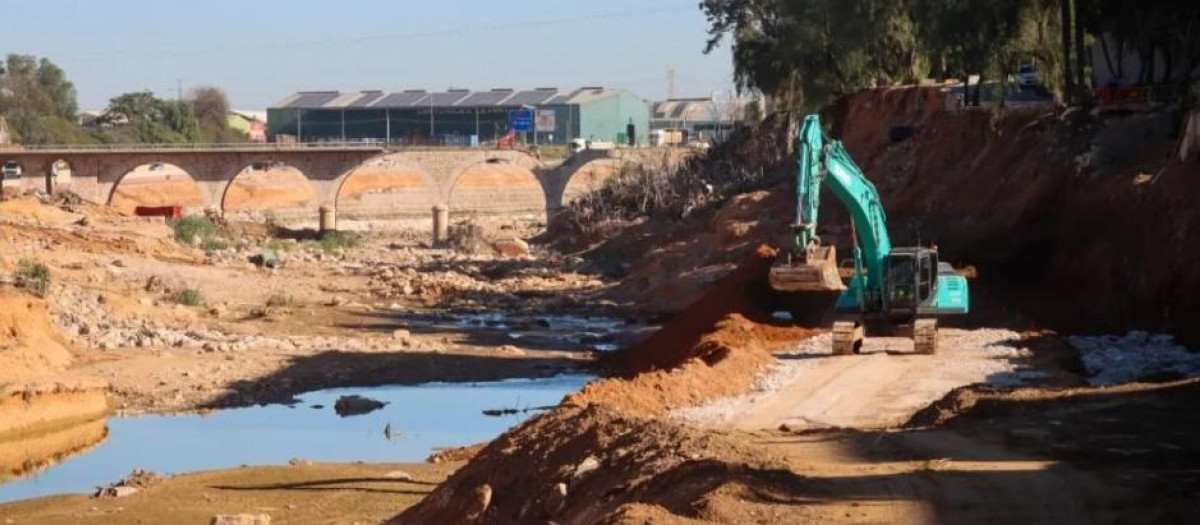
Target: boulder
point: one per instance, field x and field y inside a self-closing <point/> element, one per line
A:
<point x="117" y="492"/>
<point x="240" y="519"/>
<point x="557" y="499"/>
<point x="587" y="465"/>
<point x="266" y="259"/>
<point x="511" y="247"/>
<point x="347" y="406"/>
<point x="483" y="500"/>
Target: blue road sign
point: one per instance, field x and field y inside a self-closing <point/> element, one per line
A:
<point x="520" y="120"/>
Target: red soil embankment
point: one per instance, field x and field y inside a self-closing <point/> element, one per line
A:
<point x="715" y="347"/>
<point x="679" y="340"/>
<point x="1044" y="204"/>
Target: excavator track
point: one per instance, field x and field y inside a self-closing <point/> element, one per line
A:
<point x="925" y="336"/>
<point x="847" y="337"/>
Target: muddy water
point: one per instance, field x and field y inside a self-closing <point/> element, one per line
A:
<point x="421" y="419"/>
<point x="546" y="331"/>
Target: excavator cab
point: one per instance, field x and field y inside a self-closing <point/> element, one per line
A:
<point x="911" y="277"/>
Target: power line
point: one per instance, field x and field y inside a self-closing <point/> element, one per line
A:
<point x="444" y="32"/>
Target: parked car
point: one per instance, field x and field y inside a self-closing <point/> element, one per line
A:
<point x="1027" y="75"/>
<point x="12" y="170"/>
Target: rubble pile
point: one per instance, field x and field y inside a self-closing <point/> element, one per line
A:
<point x="87" y="322"/>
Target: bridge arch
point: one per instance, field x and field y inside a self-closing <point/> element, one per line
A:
<point x="156" y="184"/>
<point x="498" y="185"/>
<point x="269" y="186"/>
<point x="59" y="173"/>
<point x="388" y="184"/>
<point x="589" y="176"/>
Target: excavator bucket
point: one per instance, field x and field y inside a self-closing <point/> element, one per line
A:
<point x="818" y="272"/>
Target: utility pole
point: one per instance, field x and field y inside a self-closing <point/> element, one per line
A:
<point x="431" y="124"/>
<point x="387" y="114"/>
<point x="178" y="89"/>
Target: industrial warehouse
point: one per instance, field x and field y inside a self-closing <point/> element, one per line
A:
<point x="460" y="117"/>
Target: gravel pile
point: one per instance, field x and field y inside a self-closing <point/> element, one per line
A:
<point x="1135" y="356"/>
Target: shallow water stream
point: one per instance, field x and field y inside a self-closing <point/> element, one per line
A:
<point x="420" y="419"/>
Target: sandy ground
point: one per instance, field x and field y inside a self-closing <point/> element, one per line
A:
<point x="348" y="317"/>
<point x="927" y="477"/>
<point x="316" y="493"/>
<point x="883" y="387"/>
<point x="829" y="418"/>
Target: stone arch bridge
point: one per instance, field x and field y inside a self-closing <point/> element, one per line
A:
<point x="469" y="180"/>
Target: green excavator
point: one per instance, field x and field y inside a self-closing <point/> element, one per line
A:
<point x="889" y="289"/>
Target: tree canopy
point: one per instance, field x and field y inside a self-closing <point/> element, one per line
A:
<point x="37" y="99"/>
<point x="143" y="117"/>
<point x="804" y="51"/>
<point x="211" y="106"/>
<point x="39" y="103"/>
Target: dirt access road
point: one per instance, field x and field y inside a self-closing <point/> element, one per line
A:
<point x="880" y="388"/>
<point x="836" y="422"/>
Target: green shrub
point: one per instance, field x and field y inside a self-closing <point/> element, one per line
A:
<point x="189" y="229"/>
<point x="190" y="297"/>
<point x="332" y="241"/>
<point x="33" y="276"/>
<point x="213" y="244"/>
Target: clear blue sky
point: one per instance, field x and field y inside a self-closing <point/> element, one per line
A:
<point x="260" y="51"/>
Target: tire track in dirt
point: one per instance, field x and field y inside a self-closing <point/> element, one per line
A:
<point x="834" y="414"/>
<point x="882" y="388"/>
<point x="934" y="476"/>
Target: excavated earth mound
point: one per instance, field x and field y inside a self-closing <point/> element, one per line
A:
<point x="589" y="465"/>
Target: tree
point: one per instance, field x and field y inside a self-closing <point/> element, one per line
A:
<point x="143" y="117"/>
<point x="1159" y="32"/>
<point x="31" y="90"/>
<point x="134" y="107"/>
<point x="802" y="52"/>
<point x="211" y="106"/>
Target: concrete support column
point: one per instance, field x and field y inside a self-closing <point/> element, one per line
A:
<point x="328" y="220"/>
<point x="441" y="224"/>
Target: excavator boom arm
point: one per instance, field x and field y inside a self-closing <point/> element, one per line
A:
<point x="824" y="161"/>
